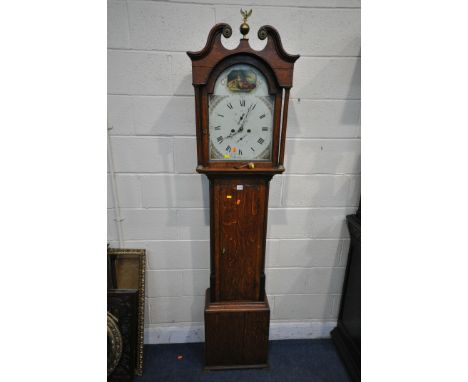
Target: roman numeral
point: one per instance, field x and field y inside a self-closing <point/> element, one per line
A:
<point x="217" y="127"/>
<point x="260" y="140"/>
<point x="229" y="105"/>
<point x="240" y="152"/>
<point x="220" y="139"/>
<point x="262" y="116"/>
<point x="252" y="149"/>
<point x="228" y="149"/>
<point x="242" y="102"/>
<point x="265" y="128"/>
<point x="220" y="115"/>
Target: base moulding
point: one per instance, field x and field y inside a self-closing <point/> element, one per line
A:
<point x="186" y="333"/>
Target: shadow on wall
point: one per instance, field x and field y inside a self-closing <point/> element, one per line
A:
<point x="355" y="79"/>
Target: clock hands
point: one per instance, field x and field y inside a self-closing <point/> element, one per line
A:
<point x="242" y="121"/>
<point x="233" y="132"/>
<point x="244" y="117"/>
<point x="251" y="107"/>
<point x="241" y="128"/>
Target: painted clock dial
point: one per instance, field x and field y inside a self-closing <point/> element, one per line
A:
<point x="241" y="116"/>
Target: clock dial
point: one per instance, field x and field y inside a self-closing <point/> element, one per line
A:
<point x="241" y="116"/>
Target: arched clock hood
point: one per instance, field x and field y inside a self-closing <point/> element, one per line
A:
<point x="273" y="61"/>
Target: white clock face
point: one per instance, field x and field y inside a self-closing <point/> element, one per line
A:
<point x="241" y="116"/>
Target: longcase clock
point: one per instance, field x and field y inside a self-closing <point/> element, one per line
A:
<point x="241" y="107"/>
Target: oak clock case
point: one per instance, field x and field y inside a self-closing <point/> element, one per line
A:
<point x="241" y="107"/>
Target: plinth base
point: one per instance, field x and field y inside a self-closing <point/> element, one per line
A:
<point x="236" y="334"/>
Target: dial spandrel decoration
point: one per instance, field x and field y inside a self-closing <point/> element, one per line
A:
<point x="241" y="116"/>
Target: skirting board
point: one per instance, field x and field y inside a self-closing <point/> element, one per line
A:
<point x="184" y="333"/>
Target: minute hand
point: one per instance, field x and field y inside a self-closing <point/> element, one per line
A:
<point x="251" y="107"/>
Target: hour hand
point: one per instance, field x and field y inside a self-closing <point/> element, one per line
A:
<point x="231" y="134"/>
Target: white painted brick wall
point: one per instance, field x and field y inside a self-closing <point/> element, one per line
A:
<point x="174" y="191"/>
<point x="120" y="115"/>
<point x="185" y="154"/>
<point x="305" y="253"/>
<point x="163" y="201"/>
<point x="165" y="27"/>
<point x="163" y="115"/>
<point x="129" y="193"/>
<point x="118" y="35"/>
<point x="309" y="118"/>
<point x="132" y="72"/>
<point x="177" y="254"/>
<point x="142" y="154"/>
<point x="177" y="283"/>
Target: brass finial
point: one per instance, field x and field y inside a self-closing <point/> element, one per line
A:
<point x="244" y="28"/>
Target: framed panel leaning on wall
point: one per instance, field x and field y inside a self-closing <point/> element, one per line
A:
<point x="126" y="270"/>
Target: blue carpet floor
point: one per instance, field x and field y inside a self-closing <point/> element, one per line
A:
<point x="289" y="361"/>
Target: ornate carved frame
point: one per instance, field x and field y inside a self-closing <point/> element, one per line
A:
<point x="141" y="255"/>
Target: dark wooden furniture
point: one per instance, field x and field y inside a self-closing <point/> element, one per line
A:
<point x="126" y="303"/>
<point x="347" y="334"/>
<point x="236" y="310"/>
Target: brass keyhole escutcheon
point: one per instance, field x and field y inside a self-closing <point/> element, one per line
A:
<point x="223" y="251"/>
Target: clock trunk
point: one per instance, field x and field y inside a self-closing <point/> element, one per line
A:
<point x="239" y="206"/>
